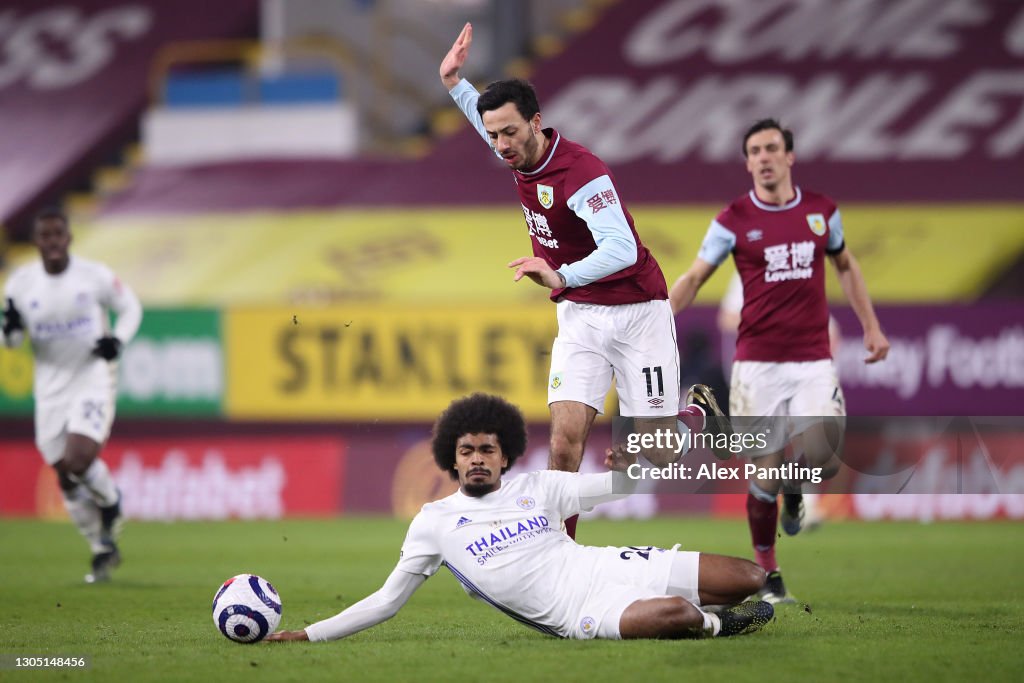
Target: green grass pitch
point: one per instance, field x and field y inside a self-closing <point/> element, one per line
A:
<point x="884" y="602"/>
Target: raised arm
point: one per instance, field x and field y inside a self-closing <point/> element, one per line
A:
<point x="456" y="57"/>
<point x="461" y="90"/>
<point x="370" y="611"/>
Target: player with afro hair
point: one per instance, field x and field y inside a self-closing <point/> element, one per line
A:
<point x="479" y="414"/>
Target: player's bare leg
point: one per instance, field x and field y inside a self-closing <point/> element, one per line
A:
<point x="716" y="580"/>
<point x="652" y="425"/>
<point x="724" y="580"/>
<point x="667" y="617"/>
<point x="570" y="427"/>
<point x="677" y="617"/>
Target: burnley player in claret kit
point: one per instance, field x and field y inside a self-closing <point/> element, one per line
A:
<point x="779" y="235"/>
<point x="614" y="318"/>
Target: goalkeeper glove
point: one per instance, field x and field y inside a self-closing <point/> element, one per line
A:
<point x="12" y="318"/>
<point x="107" y="348"/>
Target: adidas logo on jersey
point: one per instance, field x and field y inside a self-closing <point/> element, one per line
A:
<point x="462" y="521"/>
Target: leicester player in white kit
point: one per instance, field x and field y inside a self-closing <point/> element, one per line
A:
<point x="63" y="304"/>
<point x="614" y="319"/>
<point x="779" y="235"/>
<point x="500" y="539"/>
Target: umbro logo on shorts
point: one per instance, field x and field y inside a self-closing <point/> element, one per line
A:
<point x="656" y="402"/>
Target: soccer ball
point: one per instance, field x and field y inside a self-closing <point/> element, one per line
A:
<point x="246" y="608"/>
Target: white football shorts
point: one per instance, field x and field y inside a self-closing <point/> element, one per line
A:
<point x="634" y="344"/>
<point x="625" y="575"/>
<point x="89" y="412"/>
<point x="786" y="396"/>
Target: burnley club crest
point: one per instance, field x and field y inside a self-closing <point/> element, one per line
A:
<point x="816" y="222"/>
<point x="546" y="195"/>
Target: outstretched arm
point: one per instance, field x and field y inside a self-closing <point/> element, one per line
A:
<point x="369" y="611"/>
<point x="596" y="489"/>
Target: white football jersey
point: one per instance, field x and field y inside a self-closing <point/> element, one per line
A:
<point x="64" y="315"/>
<point x="508" y="549"/>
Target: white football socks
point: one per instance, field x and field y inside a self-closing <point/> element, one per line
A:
<point x="100" y="484"/>
<point x="86" y="515"/>
<point x="712" y="623"/>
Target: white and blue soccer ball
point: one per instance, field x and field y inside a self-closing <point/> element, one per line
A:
<point x="246" y="608"/>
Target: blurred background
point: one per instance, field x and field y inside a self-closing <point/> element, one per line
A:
<point x="319" y="239"/>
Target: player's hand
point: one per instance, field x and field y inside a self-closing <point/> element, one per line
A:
<point x="456" y="57"/>
<point x="877" y="346"/>
<point x="282" y="636"/>
<point x="107" y="348"/>
<point x="12" y="318"/>
<point x="538" y="270"/>
<point x="618" y="459"/>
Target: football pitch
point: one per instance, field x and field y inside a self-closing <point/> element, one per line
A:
<point x="881" y="602"/>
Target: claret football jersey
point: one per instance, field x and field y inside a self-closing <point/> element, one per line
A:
<point x="780" y="256"/>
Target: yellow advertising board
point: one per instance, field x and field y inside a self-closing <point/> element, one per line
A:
<point x="387" y="362"/>
<point x="924" y="253"/>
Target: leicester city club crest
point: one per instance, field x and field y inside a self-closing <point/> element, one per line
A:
<point x="545" y="195"/>
<point x="816" y="222"/>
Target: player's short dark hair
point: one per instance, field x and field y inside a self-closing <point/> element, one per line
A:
<point x="478" y="414"/>
<point x="50" y="212"/>
<point x="768" y="124"/>
<point x="515" y="90"/>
